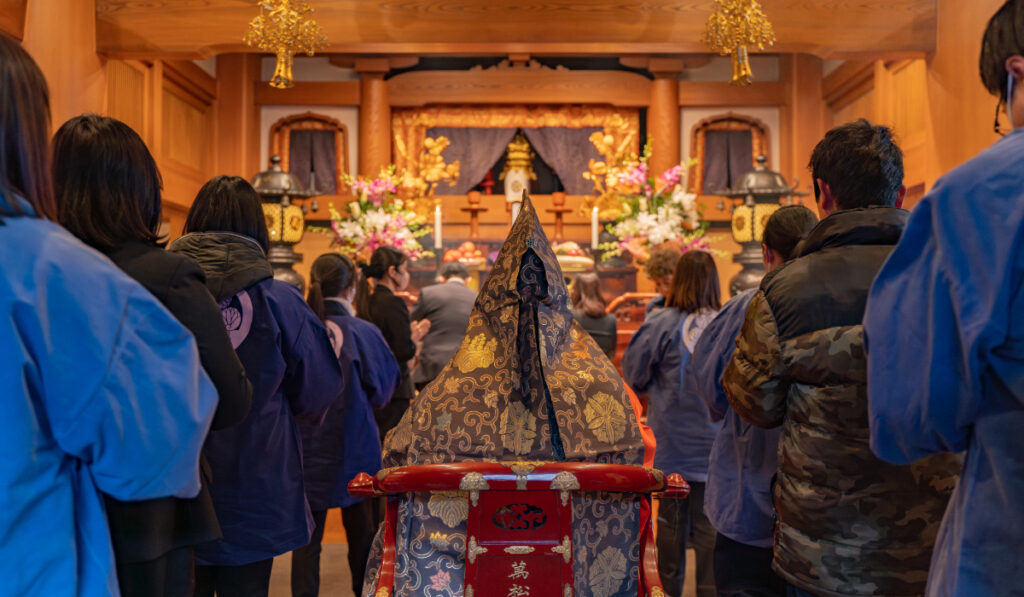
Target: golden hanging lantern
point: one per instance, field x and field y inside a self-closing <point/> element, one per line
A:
<point x="733" y="28"/>
<point x="282" y="29"/>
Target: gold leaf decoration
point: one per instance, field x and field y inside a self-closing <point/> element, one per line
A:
<point x="478" y="353"/>
<point x="518" y="428"/>
<point x="605" y="417"/>
<point x="451" y="507"/>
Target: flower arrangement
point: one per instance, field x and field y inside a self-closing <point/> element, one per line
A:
<point x="652" y="212"/>
<point x="377" y="218"/>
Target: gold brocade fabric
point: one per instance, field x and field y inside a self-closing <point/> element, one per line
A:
<point x="409" y="126"/>
<point x="527" y="384"/>
<point x="522" y="358"/>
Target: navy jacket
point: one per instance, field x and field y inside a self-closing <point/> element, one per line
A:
<point x="654" y="362"/>
<point x="256" y="466"/>
<point x="737" y="499"/>
<point x="347" y="442"/>
<point x="945" y="341"/>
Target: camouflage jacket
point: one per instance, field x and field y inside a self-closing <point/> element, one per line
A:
<point x="848" y="523"/>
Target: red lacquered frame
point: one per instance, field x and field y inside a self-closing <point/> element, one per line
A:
<point x="493" y="552"/>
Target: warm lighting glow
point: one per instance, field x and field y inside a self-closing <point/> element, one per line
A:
<point x="280" y="28"/>
<point x="733" y="28"/>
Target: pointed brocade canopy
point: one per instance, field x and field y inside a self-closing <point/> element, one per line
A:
<point x="527" y="382"/>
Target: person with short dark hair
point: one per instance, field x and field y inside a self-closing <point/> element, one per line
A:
<point x="389" y="267"/>
<point x="256" y="465"/>
<point x="848" y="523"/>
<point x="101" y="388"/>
<point x="346" y="443"/>
<point x="447" y="307"/>
<point x="654" y="362"/>
<point x="737" y="498"/>
<point x="108" y="195"/>
<point x="588" y="308"/>
<point x="944" y="330"/>
<point x="659" y="269"/>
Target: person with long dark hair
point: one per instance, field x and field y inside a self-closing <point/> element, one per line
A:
<point x="108" y="195"/>
<point x="744" y="457"/>
<point x="588" y="308"/>
<point x="258" y="490"/>
<point x="389" y="268"/>
<point x="102" y="387"/>
<point x="654" y="362"/>
<point x="347" y="442"/>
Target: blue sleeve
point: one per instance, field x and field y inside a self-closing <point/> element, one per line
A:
<point x="703" y="374"/>
<point x="642" y="355"/>
<point x="142" y="425"/>
<point x="378" y="369"/>
<point x="938" y="307"/>
<point x="313" y="377"/>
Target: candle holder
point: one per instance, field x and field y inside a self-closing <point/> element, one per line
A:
<point x="559" y="209"/>
<point x="474" y="210"/>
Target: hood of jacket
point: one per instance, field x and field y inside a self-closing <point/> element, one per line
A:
<point x="232" y="262"/>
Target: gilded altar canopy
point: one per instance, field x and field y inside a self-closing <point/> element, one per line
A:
<point x="528" y="382"/>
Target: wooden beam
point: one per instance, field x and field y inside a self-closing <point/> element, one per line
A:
<point x="508" y="86"/>
<point x="653" y="27"/>
<point x="802" y="117"/>
<point x="189" y="76"/>
<point x="237" y="115"/>
<point x="848" y="81"/>
<point x="12" y="17"/>
<point x="337" y="93"/>
<point x="700" y="93"/>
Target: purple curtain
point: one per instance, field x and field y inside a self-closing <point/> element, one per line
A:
<point x="728" y="155"/>
<point x="567" y="151"/>
<point x="312" y="153"/>
<point x="475" y="149"/>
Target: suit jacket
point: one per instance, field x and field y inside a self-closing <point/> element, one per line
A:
<point x="447" y="306"/>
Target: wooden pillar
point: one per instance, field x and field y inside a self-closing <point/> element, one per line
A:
<point x="61" y="37"/>
<point x="802" y="117"/>
<point x="663" y="114"/>
<point x="374" y="116"/>
<point x="238" y="115"/>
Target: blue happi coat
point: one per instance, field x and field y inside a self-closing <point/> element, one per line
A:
<point x="256" y="465"/>
<point x="347" y="442"/>
<point x="101" y="390"/>
<point x="737" y="499"/>
<point x="654" y="362"/>
<point x="945" y="337"/>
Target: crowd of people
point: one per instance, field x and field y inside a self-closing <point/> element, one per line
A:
<point x="175" y="418"/>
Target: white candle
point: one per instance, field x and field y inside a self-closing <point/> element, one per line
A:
<point x="593" y="228"/>
<point x="437" y="227"/>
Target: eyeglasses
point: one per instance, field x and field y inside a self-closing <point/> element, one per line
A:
<point x="996" y="126"/>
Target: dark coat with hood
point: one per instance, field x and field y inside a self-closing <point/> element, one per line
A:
<point x="848" y="523"/>
<point x="143" y="531"/>
<point x="257" y="483"/>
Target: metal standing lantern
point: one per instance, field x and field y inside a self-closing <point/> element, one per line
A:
<point x="761" y="190"/>
<point x="285" y="221"/>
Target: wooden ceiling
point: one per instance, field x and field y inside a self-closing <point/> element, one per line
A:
<point x="828" y="28"/>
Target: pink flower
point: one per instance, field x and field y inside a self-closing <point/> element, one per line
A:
<point x="441" y="581"/>
<point x="672" y="176"/>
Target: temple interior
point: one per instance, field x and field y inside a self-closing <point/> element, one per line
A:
<point x="458" y="107"/>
